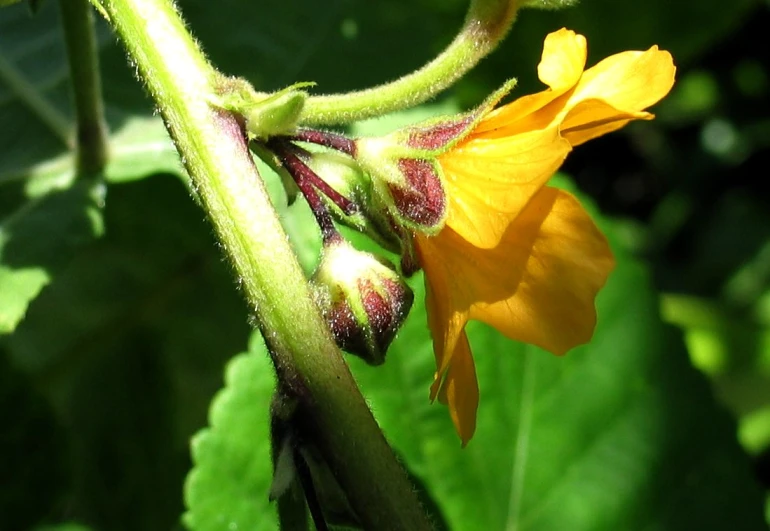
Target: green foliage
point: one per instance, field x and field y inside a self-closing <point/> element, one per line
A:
<point x="618" y="434"/>
<point x="38" y="238"/>
<point x="126" y="348"/>
<point x="117" y="313"/>
<point x="228" y="487"/>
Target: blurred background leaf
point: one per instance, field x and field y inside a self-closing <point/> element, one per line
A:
<point x="620" y="434"/>
<point x="128" y="346"/>
<point x="118" y="356"/>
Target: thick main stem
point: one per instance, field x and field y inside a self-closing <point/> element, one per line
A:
<point x="91" y="145"/>
<point x="214" y="149"/>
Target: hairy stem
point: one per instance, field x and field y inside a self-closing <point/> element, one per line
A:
<point x="79" y="35"/>
<point x="486" y="24"/>
<point x="213" y="146"/>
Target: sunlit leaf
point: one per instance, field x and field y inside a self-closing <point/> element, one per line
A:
<point x="229" y="484"/>
<point x="38" y="239"/>
<point x="620" y="434"/>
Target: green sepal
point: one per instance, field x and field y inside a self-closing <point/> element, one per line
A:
<point x="429" y="138"/>
<point x="265" y="115"/>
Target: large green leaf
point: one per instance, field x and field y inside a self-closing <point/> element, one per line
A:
<point x="620" y="434"/>
<point x="128" y="344"/>
<point x="47" y="215"/>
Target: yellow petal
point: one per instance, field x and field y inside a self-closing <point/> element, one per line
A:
<point x="446" y="320"/>
<point x="628" y="81"/>
<point x="488" y="182"/>
<point x="616" y="90"/>
<point x="460" y="390"/>
<point x="560" y="68"/>
<point x="563" y="59"/>
<point x="538" y="284"/>
<point x="564" y="261"/>
<point x="592" y="118"/>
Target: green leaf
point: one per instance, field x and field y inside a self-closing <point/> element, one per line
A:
<point x="229" y="484"/>
<point x="39" y="238"/>
<point x="128" y="344"/>
<point x="34" y="96"/>
<point x="620" y="434"/>
<point x="45" y="218"/>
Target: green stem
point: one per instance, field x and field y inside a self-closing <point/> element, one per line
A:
<point x="486" y="24"/>
<point x="80" y="38"/>
<point x="213" y="147"/>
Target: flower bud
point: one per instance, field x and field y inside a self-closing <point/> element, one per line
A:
<point x="404" y="165"/>
<point x="363" y="299"/>
<point x="410" y="185"/>
<point x="343" y="174"/>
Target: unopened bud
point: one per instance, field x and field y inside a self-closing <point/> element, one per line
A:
<point x="363" y="299"/>
<point x="266" y="115"/>
<point x="343" y="174"/>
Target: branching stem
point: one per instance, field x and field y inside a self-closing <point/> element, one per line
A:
<point x="214" y="148"/>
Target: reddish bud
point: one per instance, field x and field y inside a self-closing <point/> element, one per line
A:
<point x="423" y="201"/>
<point x="362" y="298"/>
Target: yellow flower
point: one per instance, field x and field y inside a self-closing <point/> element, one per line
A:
<point x="514" y="253"/>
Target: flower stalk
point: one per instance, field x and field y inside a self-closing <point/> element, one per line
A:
<point x="213" y="145"/>
<point x="486" y="24"/>
<point x="311" y="186"/>
<point x="91" y="134"/>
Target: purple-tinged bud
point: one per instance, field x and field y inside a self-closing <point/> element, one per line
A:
<point x="363" y="299"/>
<point x="423" y="201"/>
<point x="404" y="168"/>
<point x="405" y="172"/>
<point x="343" y="174"/>
<point x="411" y="186"/>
